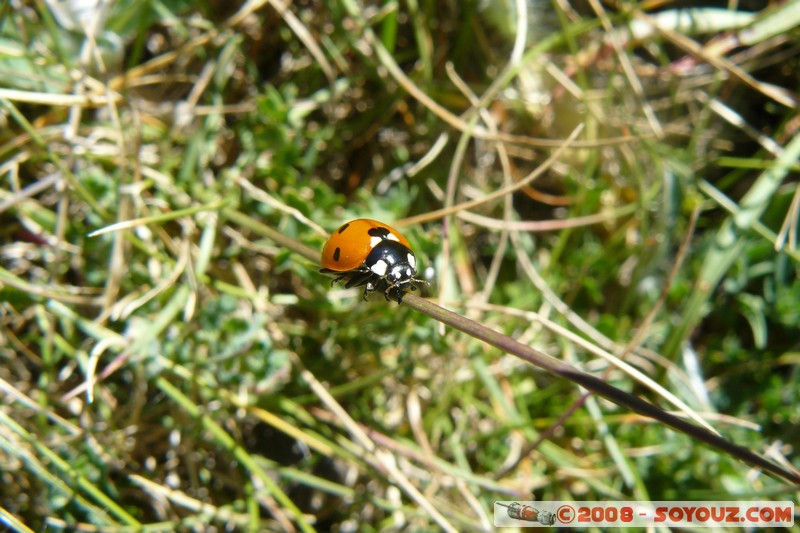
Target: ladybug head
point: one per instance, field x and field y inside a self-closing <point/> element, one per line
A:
<point x="402" y="272"/>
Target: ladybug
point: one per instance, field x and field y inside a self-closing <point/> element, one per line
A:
<point x="370" y="253"/>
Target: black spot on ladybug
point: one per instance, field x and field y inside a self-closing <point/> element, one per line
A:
<point x="378" y="232"/>
<point x="341" y="230"/>
<point x="337" y="253"/>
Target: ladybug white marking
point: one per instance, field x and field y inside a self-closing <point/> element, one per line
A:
<point x="375" y="241"/>
<point x="379" y="268"/>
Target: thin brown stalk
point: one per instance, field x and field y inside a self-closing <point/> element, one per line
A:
<point x="594" y="384"/>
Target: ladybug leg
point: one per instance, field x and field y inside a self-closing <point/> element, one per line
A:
<point x="375" y="284"/>
<point x="394" y="292"/>
<point x="358" y="278"/>
<point x="337" y="276"/>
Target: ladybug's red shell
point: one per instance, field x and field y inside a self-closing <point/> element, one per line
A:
<point x="348" y="246"/>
